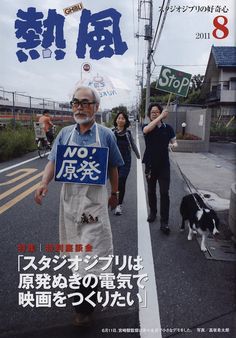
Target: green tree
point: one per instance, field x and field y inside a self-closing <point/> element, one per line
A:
<point x="196" y="83"/>
<point x="120" y="108"/>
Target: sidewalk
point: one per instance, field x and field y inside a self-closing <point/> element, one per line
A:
<point x="213" y="177"/>
<point x="208" y="173"/>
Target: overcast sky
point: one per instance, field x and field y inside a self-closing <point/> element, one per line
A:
<point x="178" y="47"/>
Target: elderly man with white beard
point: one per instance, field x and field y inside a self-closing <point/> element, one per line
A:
<point x="77" y="200"/>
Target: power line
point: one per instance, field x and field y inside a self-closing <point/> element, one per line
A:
<point x="159" y="35"/>
<point x="158" y="23"/>
<point x="177" y="66"/>
<point x="162" y="25"/>
<point x="182" y="65"/>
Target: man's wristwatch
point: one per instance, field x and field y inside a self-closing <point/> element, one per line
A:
<point x="115" y="194"/>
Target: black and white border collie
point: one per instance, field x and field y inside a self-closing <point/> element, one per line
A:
<point x="199" y="219"/>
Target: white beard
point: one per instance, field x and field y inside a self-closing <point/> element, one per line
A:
<point x="83" y="121"/>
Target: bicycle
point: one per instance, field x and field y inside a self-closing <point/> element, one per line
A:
<point x="43" y="145"/>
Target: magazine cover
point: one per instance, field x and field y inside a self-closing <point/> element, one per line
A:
<point x="117" y="168"/>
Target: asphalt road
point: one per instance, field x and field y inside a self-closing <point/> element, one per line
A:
<point x="195" y="295"/>
<point x="225" y="151"/>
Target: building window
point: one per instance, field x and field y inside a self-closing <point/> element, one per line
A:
<point x="233" y="83"/>
<point x="226" y="85"/>
<point x="214" y="89"/>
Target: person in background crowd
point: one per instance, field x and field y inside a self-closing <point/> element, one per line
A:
<point x="158" y="135"/>
<point x="125" y="143"/>
<point x="48" y="125"/>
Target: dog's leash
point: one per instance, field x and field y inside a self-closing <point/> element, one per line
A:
<point x="189" y="184"/>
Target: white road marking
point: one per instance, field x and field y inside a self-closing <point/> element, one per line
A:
<point x="149" y="316"/>
<point x="19" y="164"/>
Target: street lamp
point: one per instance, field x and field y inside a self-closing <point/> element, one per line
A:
<point x="183" y="128"/>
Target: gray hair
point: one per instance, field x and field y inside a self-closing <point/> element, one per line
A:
<point x="94" y="92"/>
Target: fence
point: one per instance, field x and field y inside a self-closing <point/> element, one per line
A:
<point x="197" y="124"/>
<point x="18" y="106"/>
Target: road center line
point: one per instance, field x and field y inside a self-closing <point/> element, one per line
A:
<point x="149" y="316"/>
<point x="17" y="199"/>
<point x="19" y="186"/>
<point x="27" y="171"/>
<point x="19" y="164"/>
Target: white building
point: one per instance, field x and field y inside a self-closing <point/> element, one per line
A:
<point x="219" y="87"/>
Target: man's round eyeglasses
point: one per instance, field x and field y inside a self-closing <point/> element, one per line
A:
<point x="82" y="103"/>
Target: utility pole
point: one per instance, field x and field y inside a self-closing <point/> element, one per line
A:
<point x="142" y="79"/>
<point x="14" y="109"/>
<point x="141" y="83"/>
<point x="148" y="37"/>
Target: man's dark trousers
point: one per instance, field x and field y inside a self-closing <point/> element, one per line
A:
<point x="163" y="178"/>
